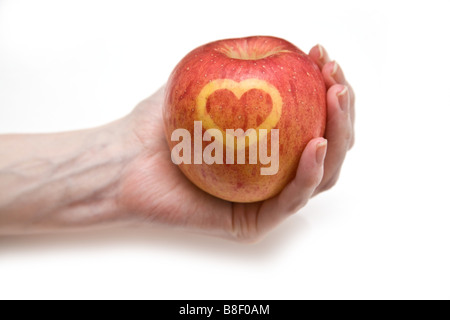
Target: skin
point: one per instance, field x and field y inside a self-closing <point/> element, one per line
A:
<point x="121" y="174"/>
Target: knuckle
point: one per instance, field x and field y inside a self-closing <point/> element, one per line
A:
<point x="294" y="206"/>
<point x="311" y="182"/>
<point x="330" y="183"/>
<point x="352" y="142"/>
<point x="298" y="205"/>
<point x="348" y="136"/>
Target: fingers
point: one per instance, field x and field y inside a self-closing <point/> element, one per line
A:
<point x="340" y="116"/>
<point x="297" y="193"/>
<point x="333" y="74"/>
<point x="339" y="132"/>
<point x="319" y="55"/>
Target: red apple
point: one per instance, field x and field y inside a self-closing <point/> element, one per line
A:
<point x="261" y="83"/>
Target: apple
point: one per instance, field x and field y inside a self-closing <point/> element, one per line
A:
<point x="228" y="90"/>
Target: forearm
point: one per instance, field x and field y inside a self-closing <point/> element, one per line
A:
<point x="51" y="182"/>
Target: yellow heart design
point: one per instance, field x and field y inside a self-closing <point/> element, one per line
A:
<point x="238" y="89"/>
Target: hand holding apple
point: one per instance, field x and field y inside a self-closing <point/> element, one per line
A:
<point x="156" y="191"/>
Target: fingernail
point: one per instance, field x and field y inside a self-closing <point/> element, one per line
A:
<point x="343" y="99"/>
<point x="335" y="68"/>
<point x="320" y="51"/>
<point x="321" y="149"/>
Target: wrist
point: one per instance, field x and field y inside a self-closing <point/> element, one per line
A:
<point x="109" y="150"/>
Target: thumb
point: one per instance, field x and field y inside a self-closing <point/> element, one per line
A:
<point x="297" y="193"/>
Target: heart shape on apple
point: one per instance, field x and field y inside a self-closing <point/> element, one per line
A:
<point x="238" y="89"/>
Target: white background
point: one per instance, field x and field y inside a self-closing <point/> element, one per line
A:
<point x="382" y="232"/>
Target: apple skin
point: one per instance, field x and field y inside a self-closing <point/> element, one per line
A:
<point x="281" y="64"/>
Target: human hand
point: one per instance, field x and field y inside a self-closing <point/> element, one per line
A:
<point x="154" y="190"/>
<point x="340" y="131"/>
